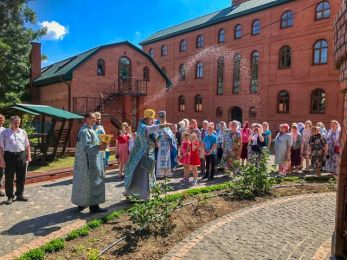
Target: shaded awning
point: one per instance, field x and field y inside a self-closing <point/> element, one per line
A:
<point x="46" y="111"/>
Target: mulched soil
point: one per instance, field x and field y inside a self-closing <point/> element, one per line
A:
<point x="186" y="220"/>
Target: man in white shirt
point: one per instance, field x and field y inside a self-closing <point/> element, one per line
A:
<point x="2" y="170"/>
<point x="14" y="155"/>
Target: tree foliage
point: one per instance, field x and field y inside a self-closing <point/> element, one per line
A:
<point x="16" y="34"/>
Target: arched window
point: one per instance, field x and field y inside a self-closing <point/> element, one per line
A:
<point x="146" y="74"/>
<point x="318" y="99"/>
<point x="183" y="45"/>
<point x="221" y="36"/>
<point x="100" y="69"/>
<point x="182" y="72"/>
<point x="252" y="112"/>
<point x="237" y="74"/>
<point x="283" y="102"/>
<point x="151" y="53"/>
<point x="164" y="70"/>
<point x="164" y="50"/>
<point x="220" y="76"/>
<point x="198" y="103"/>
<point x="320" y="52"/>
<point x="181" y="104"/>
<point x="323" y="10"/>
<point x="287" y="19"/>
<point x="254" y="72"/>
<point x="219" y="112"/>
<point x="238" y="31"/>
<point x="255" y="27"/>
<point x="199" y="70"/>
<point x="200" y="43"/>
<point x="285" y="57"/>
<point x="124" y="68"/>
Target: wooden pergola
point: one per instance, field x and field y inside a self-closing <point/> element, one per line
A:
<point x="51" y="142"/>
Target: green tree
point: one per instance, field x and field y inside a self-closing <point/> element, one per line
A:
<point x="16" y="34"/>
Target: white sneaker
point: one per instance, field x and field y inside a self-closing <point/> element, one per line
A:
<point x="194" y="182"/>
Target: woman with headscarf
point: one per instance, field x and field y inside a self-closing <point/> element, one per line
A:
<point x="231" y="147"/>
<point x="333" y="140"/>
<point x="257" y="143"/>
<point x="283" y="144"/>
<point x="323" y="131"/>
<point x="301" y="127"/>
<point x="220" y="140"/>
<point x="305" y="146"/>
<point x="139" y="171"/>
<point x="319" y="150"/>
<point x="295" y="156"/>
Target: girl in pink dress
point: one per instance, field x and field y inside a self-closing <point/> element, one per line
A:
<point x="184" y="156"/>
<point x="194" y="158"/>
<point x="122" y="146"/>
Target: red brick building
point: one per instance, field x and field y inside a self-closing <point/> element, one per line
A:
<point x="265" y="60"/>
<point x="118" y="79"/>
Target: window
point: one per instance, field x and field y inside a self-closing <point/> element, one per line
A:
<point x="164" y="50"/>
<point x="198" y="103"/>
<point x="318" y="101"/>
<point x="200" y="43"/>
<point x="255" y="27"/>
<point x="151" y="53"/>
<point x="146" y="73"/>
<point x="238" y="31"/>
<point x="182" y="72"/>
<point x="287" y="19"/>
<point x="164" y="70"/>
<point x="220" y="76"/>
<point x="181" y="104"/>
<point x="199" y="70"/>
<point x="283" y="102"/>
<point x="183" y="45"/>
<point x="323" y="10"/>
<point x="285" y="57"/>
<point x="254" y="72"/>
<point x="124" y="69"/>
<point x="219" y="112"/>
<point x="252" y="112"/>
<point x="100" y="70"/>
<point x="320" y="52"/>
<point x="237" y="74"/>
<point x="221" y="36"/>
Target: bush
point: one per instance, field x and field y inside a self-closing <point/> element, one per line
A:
<point x="113" y="216"/>
<point x="54" y="246"/>
<point x="81" y="232"/>
<point x="94" y="223"/>
<point x="254" y="181"/>
<point x="34" y="254"/>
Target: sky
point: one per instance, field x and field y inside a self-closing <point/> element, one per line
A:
<point x="74" y="26"/>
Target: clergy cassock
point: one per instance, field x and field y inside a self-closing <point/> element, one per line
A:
<point x="88" y="187"/>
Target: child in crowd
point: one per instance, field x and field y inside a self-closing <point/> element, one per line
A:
<point x="194" y="161"/>
<point x="184" y="156"/>
<point x="122" y="148"/>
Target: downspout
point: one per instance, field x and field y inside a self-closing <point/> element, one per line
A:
<point x="69" y="95"/>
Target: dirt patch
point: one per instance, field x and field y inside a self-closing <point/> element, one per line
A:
<point x="186" y="219"/>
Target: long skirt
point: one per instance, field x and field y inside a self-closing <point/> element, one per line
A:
<point x="123" y="152"/>
<point x="295" y="157"/>
<point x="244" y="151"/>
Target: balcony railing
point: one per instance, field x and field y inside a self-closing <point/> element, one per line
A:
<point x="132" y="87"/>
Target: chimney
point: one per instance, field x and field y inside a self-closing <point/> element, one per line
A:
<point x="35" y="60"/>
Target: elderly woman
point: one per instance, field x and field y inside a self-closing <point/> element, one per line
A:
<point x="267" y="134"/>
<point x="257" y="143"/>
<point x="231" y="146"/>
<point x="220" y="137"/>
<point x="333" y="139"/>
<point x="139" y="171"/>
<point x="283" y="144"/>
<point x="305" y="147"/>
<point x="295" y="158"/>
<point x="319" y="149"/>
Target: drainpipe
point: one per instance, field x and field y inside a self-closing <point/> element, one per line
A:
<point x="69" y="95"/>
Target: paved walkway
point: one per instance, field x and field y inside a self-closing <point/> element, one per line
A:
<point x="50" y="212"/>
<point x="297" y="227"/>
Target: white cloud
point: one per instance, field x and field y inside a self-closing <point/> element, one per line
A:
<point x="55" y="31"/>
<point x="137" y="33"/>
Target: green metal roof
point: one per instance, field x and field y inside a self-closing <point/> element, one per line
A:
<point x="233" y="12"/>
<point x="46" y="111"/>
<point x="62" y="70"/>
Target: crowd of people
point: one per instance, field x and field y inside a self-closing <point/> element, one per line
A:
<point x="157" y="147"/>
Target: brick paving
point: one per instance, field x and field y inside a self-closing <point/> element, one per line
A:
<point x="297" y="227"/>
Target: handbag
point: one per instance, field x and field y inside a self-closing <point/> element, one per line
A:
<point x="147" y="163"/>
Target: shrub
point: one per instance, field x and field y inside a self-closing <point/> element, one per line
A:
<point x="34" y="254"/>
<point x="54" y="246"/>
<point x="113" y="216"/>
<point x="81" y="232"/>
<point x="94" y="223"/>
